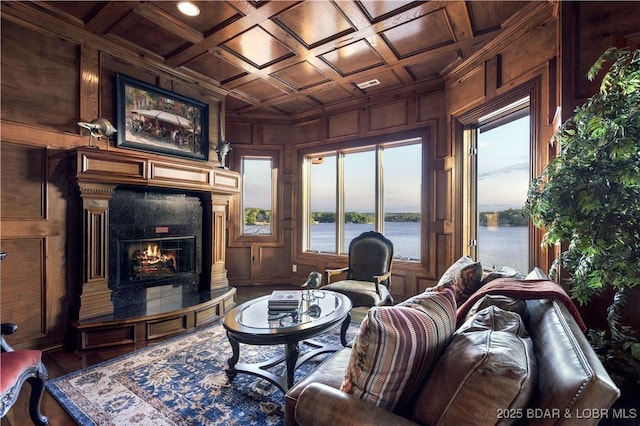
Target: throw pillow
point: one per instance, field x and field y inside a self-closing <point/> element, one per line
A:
<point x="502" y="272"/>
<point x="489" y="368"/>
<point x="465" y="275"/>
<point x="503" y="302"/>
<point x="397" y="346"/>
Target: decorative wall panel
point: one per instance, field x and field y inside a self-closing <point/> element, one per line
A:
<point x="388" y="115"/>
<point x="346" y="124"/>
<point x="39" y="79"/>
<point x="22" y="182"/>
<point x="23" y="286"/>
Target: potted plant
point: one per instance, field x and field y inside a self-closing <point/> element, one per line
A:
<point x="588" y="198"/>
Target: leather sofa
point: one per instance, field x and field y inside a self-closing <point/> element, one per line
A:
<point x="571" y="385"/>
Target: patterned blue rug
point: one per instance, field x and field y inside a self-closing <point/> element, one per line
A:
<point x="180" y="381"/>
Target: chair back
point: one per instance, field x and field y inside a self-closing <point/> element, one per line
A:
<point x="370" y="254"/>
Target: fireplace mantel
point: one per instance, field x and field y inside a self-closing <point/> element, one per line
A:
<point x="96" y="174"/>
<point x="92" y="165"/>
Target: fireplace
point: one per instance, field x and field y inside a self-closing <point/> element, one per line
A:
<point x="149" y="233"/>
<point x="155" y="239"/>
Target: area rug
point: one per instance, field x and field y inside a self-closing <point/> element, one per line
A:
<point x="180" y="381"/>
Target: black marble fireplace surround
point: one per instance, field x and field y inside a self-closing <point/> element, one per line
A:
<point x="155" y="250"/>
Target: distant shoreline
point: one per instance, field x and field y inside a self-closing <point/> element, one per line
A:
<point x="506" y="218"/>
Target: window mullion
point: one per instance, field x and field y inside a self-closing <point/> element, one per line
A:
<point x="379" y="191"/>
<point x="306" y="200"/>
<point x="469" y="198"/>
<point x="340" y="226"/>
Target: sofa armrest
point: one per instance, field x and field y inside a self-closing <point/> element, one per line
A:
<point x="322" y="405"/>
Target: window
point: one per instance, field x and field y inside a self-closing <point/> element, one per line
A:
<point x="376" y="187"/>
<point x="321" y="235"/>
<point x="499" y="172"/>
<point x="257" y="195"/>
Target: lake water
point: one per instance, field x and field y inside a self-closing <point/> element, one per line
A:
<point x="498" y="246"/>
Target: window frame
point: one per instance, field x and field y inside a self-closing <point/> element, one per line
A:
<point x="236" y="214"/>
<point x="466" y="124"/>
<point x="424" y="137"/>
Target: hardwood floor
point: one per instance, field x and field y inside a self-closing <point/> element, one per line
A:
<point x="60" y="362"/>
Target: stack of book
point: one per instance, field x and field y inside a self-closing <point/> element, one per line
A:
<point x="284" y="300"/>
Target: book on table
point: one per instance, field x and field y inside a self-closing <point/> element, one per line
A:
<point x="285" y="300"/>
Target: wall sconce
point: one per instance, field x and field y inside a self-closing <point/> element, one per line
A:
<point x="98" y="127"/>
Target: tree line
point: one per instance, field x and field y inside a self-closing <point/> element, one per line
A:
<point x="509" y="217"/>
<point x="356" y="217"/>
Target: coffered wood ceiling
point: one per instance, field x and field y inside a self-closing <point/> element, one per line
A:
<point x="292" y="58"/>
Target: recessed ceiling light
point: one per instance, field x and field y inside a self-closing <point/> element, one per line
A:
<point x="188" y="8"/>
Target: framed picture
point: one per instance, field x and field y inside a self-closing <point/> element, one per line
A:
<point x="153" y="119"/>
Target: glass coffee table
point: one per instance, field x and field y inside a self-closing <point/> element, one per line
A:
<point x="252" y="323"/>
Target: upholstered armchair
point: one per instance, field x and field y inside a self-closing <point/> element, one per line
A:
<point x="17" y="367"/>
<point x="368" y="276"/>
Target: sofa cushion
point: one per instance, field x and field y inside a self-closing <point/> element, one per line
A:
<point x="503" y="302"/>
<point x="466" y="277"/>
<point x="361" y="293"/>
<point x="397" y="346"/>
<point x="488" y="368"/>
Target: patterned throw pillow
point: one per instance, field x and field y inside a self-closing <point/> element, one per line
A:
<point x="466" y="277"/>
<point x="397" y="346"/>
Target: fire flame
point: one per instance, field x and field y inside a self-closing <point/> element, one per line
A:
<point x="153" y="255"/>
<point x="153" y="251"/>
<point x="151" y="262"/>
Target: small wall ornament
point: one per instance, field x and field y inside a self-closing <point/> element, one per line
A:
<point x="98" y="127"/>
<point x="223" y="149"/>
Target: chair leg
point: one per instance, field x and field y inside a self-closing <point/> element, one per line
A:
<point x="37" y="390"/>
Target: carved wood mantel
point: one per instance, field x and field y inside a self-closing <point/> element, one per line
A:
<point x="97" y="173"/>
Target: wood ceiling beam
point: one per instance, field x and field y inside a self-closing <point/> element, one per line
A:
<point x="109" y="15"/>
<point x="169" y="22"/>
<point x="26" y="14"/>
<point x="248" y="21"/>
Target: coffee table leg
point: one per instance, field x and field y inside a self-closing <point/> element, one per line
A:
<point x="235" y="346"/>
<point x="292" y="352"/>
<point x="343" y="329"/>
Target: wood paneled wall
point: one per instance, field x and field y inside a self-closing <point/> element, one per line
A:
<point x="48" y="84"/>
